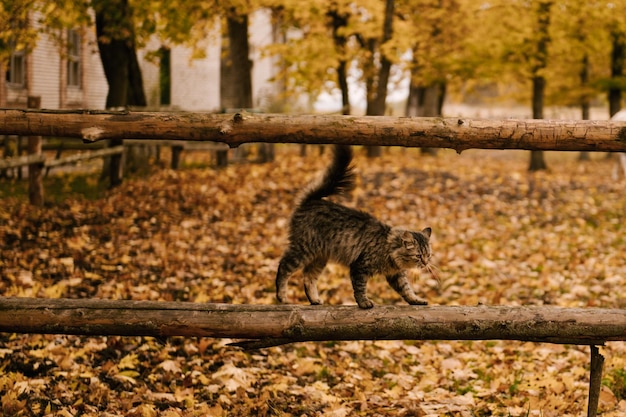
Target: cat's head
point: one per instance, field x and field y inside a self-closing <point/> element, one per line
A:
<point x="410" y="249"/>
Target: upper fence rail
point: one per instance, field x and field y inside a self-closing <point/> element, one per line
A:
<point x="234" y="129"/>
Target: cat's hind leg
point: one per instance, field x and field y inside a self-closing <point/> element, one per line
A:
<point x="400" y="283"/>
<point x="311" y="272"/>
<point x="289" y="264"/>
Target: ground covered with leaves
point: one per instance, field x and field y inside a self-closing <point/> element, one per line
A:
<point x="501" y="236"/>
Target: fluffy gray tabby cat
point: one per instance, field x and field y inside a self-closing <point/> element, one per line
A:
<point x="322" y="231"/>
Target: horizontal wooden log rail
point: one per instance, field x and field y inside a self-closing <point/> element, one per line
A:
<point x="276" y="324"/>
<point x="64" y="144"/>
<point x="100" y="152"/>
<point x="235" y="129"/>
<point x="84" y="156"/>
<point x="20" y="161"/>
<point x="70" y="159"/>
<point x="271" y="325"/>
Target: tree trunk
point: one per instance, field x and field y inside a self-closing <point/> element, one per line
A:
<point x="118" y="53"/>
<point x="618" y="57"/>
<point x="235" y="70"/>
<point x="35" y="171"/>
<point x="342" y="78"/>
<point x="451" y="132"/>
<point x="585" y="104"/>
<point x="236" y="67"/>
<point x="429" y="100"/>
<point x="537" y="160"/>
<point x="377" y="92"/>
<point x="3" y="85"/>
<point x="426" y="101"/>
<point x="120" y="64"/>
<point x="339" y="22"/>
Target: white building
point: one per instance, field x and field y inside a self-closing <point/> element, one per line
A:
<point x="75" y="79"/>
<point x="70" y="80"/>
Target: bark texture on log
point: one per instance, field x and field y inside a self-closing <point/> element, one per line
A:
<point x="455" y="133"/>
<point x="276" y="324"/>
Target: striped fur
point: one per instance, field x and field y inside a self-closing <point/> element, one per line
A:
<point x="322" y="231"/>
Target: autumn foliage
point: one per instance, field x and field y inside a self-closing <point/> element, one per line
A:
<point x="501" y="236"/>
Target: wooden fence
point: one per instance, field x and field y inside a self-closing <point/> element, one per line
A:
<point x="233" y="130"/>
<point x="270" y="325"/>
<point x="86" y="154"/>
<point x="37" y="161"/>
<point x="70" y="159"/>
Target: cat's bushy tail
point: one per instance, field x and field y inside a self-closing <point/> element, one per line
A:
<point x="337" y="179"/>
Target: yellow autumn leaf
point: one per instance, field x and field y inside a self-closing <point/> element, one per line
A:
<point x="129" y="361"/>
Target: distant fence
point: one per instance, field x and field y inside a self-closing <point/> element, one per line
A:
<point x="37" y="162"/>
<point x="85" y="154"/>
<point x="70" y="159"/>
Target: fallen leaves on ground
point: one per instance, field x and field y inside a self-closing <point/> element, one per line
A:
<point x="501" y="236"/>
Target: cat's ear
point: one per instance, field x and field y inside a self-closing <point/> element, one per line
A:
<point x="426" y="232"/>
<point x="408" y="240"/>
<point x="403" y="236"/>
<point x="407" y="236"/>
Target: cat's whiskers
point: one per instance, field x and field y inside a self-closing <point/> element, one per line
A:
<point x="432" y="265"/>
<point x="431" y="268"/>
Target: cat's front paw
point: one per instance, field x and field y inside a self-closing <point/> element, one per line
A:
<point x="417" y="302"/>
<point x="365" y="304"/>
<point x="281" y="297"/>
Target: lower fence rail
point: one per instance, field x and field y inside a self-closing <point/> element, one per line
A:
<point x="269" y="325"/>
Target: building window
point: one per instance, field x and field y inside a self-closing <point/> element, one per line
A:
<point x="16" y="74"/>
<point x="73" y="58"/>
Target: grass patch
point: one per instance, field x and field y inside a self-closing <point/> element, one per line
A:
<point x="615" y="380"/>
<point x="57" y="188"/>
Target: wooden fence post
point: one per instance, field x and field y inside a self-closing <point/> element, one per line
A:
<point x="35" y="170"/>
<point x="116" y="164"/>
<point x="595" y="381"/>
<point x="176" y="154"/>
